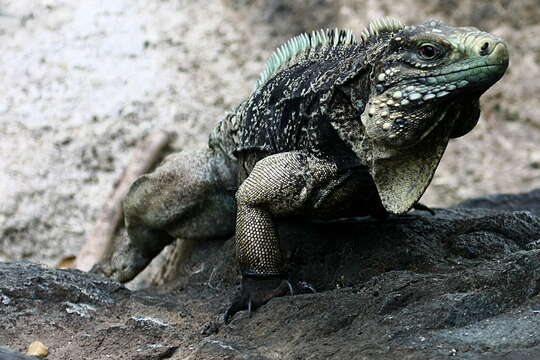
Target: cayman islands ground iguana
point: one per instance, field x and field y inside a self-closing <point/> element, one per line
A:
<point x="337" y="126"/>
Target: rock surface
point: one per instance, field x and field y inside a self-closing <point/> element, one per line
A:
<point x="464" y="283"/>
<point x="84" y="81"/>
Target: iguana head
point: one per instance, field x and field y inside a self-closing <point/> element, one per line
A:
<point x="425" y="85"/>
<point x="428" y="73"/>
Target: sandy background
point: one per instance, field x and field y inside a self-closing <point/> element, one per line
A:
<point x="83" y="81"/>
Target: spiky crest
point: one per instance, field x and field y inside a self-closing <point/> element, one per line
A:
<point x="379" y="26"/>
<point x="295" y="46"/>
<point x="284" y="54"/>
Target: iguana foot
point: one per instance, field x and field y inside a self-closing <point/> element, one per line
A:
<point x="256" y="291"/>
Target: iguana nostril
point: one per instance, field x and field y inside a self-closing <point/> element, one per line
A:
<point x="485" y="49"/>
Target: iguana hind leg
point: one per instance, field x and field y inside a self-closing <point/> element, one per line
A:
<point x="190" y="196"/>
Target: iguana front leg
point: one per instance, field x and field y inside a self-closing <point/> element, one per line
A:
<point x="279" y="185"/>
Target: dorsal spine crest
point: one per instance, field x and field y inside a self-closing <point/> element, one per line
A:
<point x="316" y="40"/>
<point x="290" y="50"/>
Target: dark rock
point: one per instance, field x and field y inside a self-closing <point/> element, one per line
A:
<point x="509" y="202"/>
<point x="464" y="282"/>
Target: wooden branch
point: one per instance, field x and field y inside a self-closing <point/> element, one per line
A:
<point x="99" y="244"/>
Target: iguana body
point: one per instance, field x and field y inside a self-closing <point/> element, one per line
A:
<point x="335" y="127"/>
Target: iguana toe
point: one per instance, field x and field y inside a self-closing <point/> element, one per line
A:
<point x="422" y="207"/>
<point x="304" y="286"/>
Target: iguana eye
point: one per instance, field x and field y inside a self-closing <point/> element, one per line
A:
<point x="428" y="52"/>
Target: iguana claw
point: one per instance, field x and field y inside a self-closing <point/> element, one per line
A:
<point x="256" y="291"/>
<point x="303" y="285"/>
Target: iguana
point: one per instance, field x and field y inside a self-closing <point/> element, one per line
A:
<point x="336" y="126"/>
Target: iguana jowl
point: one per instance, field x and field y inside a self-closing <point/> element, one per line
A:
<point x="337" y="126"/>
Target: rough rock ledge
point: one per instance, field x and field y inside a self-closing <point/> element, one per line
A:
<point x="464" y="282"/>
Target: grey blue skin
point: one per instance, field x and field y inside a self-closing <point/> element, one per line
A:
<point x="337" y="126"/>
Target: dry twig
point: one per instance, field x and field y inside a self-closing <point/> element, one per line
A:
<point x="100" y="240"/>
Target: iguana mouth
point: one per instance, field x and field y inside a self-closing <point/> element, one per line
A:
<point x="489" y="73"/>
<point x="470" y="68"/>
<point x="470" y="77"/>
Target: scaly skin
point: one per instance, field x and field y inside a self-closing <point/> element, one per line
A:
<point x="336" y="127"/>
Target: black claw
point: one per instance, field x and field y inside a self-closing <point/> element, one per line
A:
<point x="236" y="306"/>
<point x="228" y="316"/>
<point x="291" y="291"/>
<point x="306" y="285"/>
